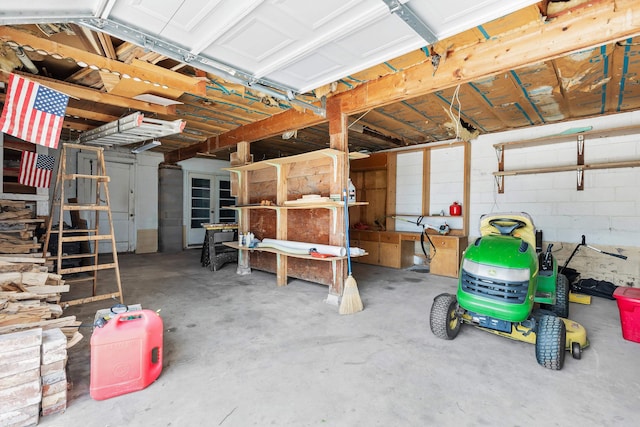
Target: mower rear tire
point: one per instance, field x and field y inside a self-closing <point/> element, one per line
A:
<point x="551" y="342"/>
<point x="444" y="320"/>
<point x="561" y="307"/>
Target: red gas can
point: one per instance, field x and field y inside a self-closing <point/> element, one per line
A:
<point x="455" y="209"/>
<point x="126" y="354"/>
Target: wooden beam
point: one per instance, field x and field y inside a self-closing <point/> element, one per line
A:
<point x="149" y="72"/>
<point x="94" y="95"/>
<point x="602" y="22"/>
<point x="90" y="115"/>
<point x="107" y="45"/>
<point x="252" y="132"/>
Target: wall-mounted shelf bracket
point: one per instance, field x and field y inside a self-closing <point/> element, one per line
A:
<point x="500" y="183"/>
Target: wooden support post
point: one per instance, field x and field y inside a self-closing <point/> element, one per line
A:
<point x="426" y="182"/>
<point x="338" y="140"/>
<point x="282" y="172"/>
<point x="392" y="159"/>
<point x="244" y="216"/>
<point x="467" y="188"/>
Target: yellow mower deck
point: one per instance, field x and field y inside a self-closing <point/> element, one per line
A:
<point x="576" y="333"/>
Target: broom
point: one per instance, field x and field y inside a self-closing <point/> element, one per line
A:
<point x="351" y="302"/>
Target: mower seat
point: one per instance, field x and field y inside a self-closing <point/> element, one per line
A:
<point x="526" y="233"/>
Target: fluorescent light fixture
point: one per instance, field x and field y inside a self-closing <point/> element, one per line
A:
<point x="155" y="99"/>
<point x="146" y="147"/>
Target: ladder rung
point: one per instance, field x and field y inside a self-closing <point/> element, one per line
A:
<point x="75" y="256"/>
<point x="87" y="238"/>
<point x="102" y="178"/>
<point x="76" y="230"/>
<point x="87" y="268"/>
<point x="92" y="299"/>
<point x="80" y="279"/>
<point x="77" y="207"/>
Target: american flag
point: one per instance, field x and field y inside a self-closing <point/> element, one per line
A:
<point x="33" y="112"/>
<point x="35" y="169"/>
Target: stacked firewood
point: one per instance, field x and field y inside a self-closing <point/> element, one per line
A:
<point x="18" y="227"/>
<point x="30" y="297"/>
<point x="34" y="338"/>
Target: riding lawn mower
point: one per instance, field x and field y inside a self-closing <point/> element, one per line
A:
<point x="508" y="288"/>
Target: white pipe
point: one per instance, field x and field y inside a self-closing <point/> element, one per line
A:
<point x="323" y="249"/>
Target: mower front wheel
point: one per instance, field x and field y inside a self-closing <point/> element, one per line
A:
<point x="550" y="342"/>
<point x="444" y="320"/>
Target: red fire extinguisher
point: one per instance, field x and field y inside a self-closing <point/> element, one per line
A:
<point x="455" y="209"/>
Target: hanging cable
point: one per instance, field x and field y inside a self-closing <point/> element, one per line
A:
<point x="456" y="99"/>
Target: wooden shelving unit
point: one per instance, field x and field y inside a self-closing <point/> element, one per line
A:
<point x="286" y="179"/>
<point x="580" y="167"/>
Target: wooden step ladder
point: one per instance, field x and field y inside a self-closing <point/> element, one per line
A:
<point x="85" y="237"/>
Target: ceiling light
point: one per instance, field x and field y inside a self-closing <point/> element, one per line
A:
<point x="146" y="147"/>
<point x="155" y="99"/>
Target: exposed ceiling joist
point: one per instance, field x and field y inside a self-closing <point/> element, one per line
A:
<point x="139" y="70"/>
<point x="81" y="92"/>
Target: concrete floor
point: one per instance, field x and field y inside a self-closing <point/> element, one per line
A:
<point x="239" y="351"/>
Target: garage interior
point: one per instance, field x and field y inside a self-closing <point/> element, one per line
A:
<point x="219" y="119"/>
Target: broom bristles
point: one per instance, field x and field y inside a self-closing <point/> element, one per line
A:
<point x="351" y="302"/>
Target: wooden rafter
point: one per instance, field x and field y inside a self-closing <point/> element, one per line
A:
<point x="137" y="69"/>
<point x="94" y="95"/>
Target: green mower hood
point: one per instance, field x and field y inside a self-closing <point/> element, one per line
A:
<point x="498" y="278"/>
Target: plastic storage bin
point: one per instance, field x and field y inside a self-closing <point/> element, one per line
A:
<point x="126" y="354"/>
<point x="629" y="306"/>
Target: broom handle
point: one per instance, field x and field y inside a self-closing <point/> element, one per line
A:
<point x="346" y="226"/>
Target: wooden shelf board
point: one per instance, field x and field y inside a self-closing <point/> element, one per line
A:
<point x="314" y="155"/>
<point x="608" y="165"/>
<point x="324" y="205"/>
<point x="553" y="139"/>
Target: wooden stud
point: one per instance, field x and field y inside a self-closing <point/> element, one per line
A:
<point x="426" y="182"/>
<point x="467" y="188"/>
<point x="392" y="164"/>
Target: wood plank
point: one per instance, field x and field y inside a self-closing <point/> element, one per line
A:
<point x="18" y="378"/>
<point x="44" y="324"/>
<point x="19" y="360"/>
<point x="608" y="165"/>
<point x="92" y="94"/>
<point x="18" y="417"/>
<point x="20" y="340"/>
<point x="144" y="71"/>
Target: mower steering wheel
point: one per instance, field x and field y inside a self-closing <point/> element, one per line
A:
<point x="506" y="230"/>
